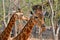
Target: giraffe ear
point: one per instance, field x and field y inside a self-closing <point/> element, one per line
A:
<point x="44" y="13"/>
<point x="31" y="12"/>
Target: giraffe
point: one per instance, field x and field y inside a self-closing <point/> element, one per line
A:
<point x="21" y="17"/>
<point x="20" y="26"/>
<point x="37" y="10"/>
<point x="5" y="34"/>
<point x="35" y="19"/>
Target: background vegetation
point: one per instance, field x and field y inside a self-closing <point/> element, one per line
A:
<point x="26" y="5"/>
<point x="8" y="6"/>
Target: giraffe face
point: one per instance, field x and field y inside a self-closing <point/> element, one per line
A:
<point x="38" y="12"/>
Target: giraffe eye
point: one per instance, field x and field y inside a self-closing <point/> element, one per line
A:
<point x="31" y="12"/>
<point x="36" y="17"/>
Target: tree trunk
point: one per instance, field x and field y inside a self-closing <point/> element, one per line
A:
<point x="51" y="5"/>
<point x="4" y="13"/>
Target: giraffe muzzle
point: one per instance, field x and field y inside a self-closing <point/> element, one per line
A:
<point x="43" y="25"/>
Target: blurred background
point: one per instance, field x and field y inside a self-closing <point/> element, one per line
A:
<point x="51" y="10"/>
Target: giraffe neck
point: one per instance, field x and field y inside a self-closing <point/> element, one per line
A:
<point x="25" y="33"/>
<point x="5" y="34"/>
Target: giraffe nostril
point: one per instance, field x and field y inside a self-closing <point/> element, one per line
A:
<point x="43" y="25"/>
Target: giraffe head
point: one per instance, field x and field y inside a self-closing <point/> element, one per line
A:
<point x="37" y="9"/>
<point x="19" y="14"/>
